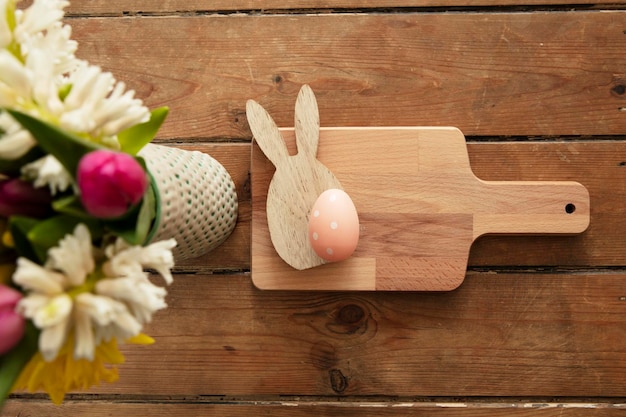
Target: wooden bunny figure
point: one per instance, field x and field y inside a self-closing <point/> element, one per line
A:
<point x="298" y="181"/>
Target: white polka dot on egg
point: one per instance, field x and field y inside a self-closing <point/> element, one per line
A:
<point x="330" y="251"/>
<point x="334" y="225"/>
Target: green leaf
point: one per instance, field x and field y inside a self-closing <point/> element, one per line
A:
<point x="64" y="91"/>
<point x="65" y="147"/>
<point x="47" y="233"/>
<point x="126" y="226"/>
<point x="136" y="225"/>
<point x="146" y="216"/>
<point x="71" y="205"/>
<point x="12" y="363"/>
<point x="136" y="137"/>
<point x="20" y="227"/>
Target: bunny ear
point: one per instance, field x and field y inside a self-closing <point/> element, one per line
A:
<point x="307" y="121"/>
<point x="266" y="133"/>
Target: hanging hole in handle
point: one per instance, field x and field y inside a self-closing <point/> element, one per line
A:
<point x="570" y="208"/>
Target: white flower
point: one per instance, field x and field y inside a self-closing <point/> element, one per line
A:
<point x="15" y="142"/>
<point x="15" y="76"/>
<point x="40" y="75"/>
<point x="110" y="319"/>
<point x="47" y="170"/>
<point x="68" y="294"/>
<point x="47" y="305"/>
<point x="39" y="17"/>
<point x="99" y="105"/>
<point x="44" y="81"/>
<point x="73" y="257"/>
<point x="141" y="296"/>
<point x="45" y="53"/>
<point x="32" y="73"/>
<point x="57" y="44"/>
<point x="158" y="256"/>
<point x="125" y="260"/>
<point x="34" y="277"/>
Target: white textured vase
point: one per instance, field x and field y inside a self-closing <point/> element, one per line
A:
<point x="196" y="202"/>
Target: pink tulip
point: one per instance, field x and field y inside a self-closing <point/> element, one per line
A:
<point x="11" y="323"/>
<point x="110" y="183"/>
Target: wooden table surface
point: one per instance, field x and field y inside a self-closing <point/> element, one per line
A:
<point x="539" y="325"/>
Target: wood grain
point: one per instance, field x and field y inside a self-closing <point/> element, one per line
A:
<point x="498" y="335"/>
<point x="123" y="7"/>
<point x="542" y="73"/>
<point x="420" y="208"/>
<point x="305" y="409"/>
<point x="598" y="165"/>
<point x="553" y="72"/>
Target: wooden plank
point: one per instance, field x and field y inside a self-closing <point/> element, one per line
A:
<point x="543" y="73"/>
<point x="121" y="7"/>
<point x="302" y="409"/>
<point x="599" y="166"/>
<point x="497" y="335"/>
<point x="510" y="73"/>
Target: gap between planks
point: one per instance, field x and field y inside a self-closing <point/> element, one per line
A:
<point x="348" y="401"/>
<point x="353" y="11"/>
<point x="472" y="270"/>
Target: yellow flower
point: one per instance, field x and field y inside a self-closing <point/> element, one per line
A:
<point x="65" y="374"/>
<point x="7" y="239"/>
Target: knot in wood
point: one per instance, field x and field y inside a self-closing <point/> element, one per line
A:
<point x="619" y="89"/>
<point x="338" y="381"/>
<point x="349" y="319"/>
<point x="350" y="314"/>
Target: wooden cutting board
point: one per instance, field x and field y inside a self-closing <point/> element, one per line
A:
<point x="420" y="209"/>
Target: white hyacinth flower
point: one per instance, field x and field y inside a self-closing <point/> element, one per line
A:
<point x="39" y="17"/>
<point x="43" y="81"/>
<point x="100" y="318"/>
<point x="56" y="43"/>
<point x="16" y="141"/>
<point x="126" y="260"/>
<point x="14" y="77"/>
<point x="46" y="304"/>
<point x="141" y="296"/>
<point x="70" y="294"/>
<point x="40" y="75"/>
<point x="47" y="171"/>
<point x="73" y="257"/>
<point x="100" y="106"/>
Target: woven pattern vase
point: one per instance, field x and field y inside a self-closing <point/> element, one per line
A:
<point x="197" y="196"/>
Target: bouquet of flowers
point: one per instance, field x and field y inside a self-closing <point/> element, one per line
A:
<point x="77" y="209"/>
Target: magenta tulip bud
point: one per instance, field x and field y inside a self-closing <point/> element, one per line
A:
<point x="110" y="183"/>
<point x="11" y="323"/>
<point x="19" y="197"/>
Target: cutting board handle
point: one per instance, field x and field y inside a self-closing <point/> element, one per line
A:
<point x="511" y="207"/>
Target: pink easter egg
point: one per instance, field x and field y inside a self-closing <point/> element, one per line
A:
<point x="334" y="226"/>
